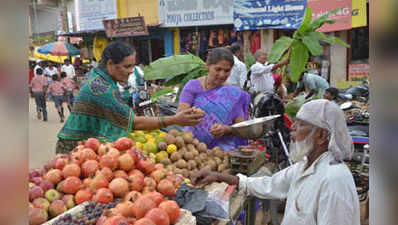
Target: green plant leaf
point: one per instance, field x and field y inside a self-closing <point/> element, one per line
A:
<point x="298" y="59"/>
<point x="157" y="94"/>
<point x="171" y="66"/>
<point x="340" y="42"/>
<point x="305" y="24"/>
<point x="311" y="40"/>
<point x="249" y="60"/>
<point x="175" y="80"/>
<point x="278" y="48"/>
<point x="318" y="22"/>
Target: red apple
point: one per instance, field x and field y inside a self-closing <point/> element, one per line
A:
<point x="69" y="201"/>
<point x="35" y="192"/>
<point x="41" y="203"/>
<point x="56" y="208"/>
<point x="46" y="185"/>
<point x="52" y="195"/>
<point x="37" y="216"/>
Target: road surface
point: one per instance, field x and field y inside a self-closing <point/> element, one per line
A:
<point x="43" y="135"/>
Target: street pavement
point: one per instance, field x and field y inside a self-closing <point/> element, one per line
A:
<point x="43" y="135"/>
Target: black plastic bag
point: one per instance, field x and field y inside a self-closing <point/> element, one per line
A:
<point x="191" y="199"/>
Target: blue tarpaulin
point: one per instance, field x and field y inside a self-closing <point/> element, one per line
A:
<point x="272" y="14"/>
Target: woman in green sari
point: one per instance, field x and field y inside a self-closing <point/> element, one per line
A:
<point x="102" y="112"/>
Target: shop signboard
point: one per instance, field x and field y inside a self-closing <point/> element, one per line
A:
<point x="358" y="72"/>
<point x="344" y="18"/>
<point x="125" y="27"/>
<point x="271" y="14"/>
<point x="91" y="13"/>
<point x="359" y="13"/>
<point x="183" y="13"/>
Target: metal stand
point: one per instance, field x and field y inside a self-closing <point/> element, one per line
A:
<point x="284" y="147"/>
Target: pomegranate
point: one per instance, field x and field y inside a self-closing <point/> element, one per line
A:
<point x="92" y="143"/>
<point x="89" y="168"/>
<point x="136" y="182"/>
<point x="37" y="180"/>
<point x="126" y="162"/>
<point x="132" y="196"/>
<point x="60" y="163"/>
<point x="125" y="208"/>
<point x="71" y="185"/>
<point x="54" y="175"/>
<point x="37" y="216"/>
<point x="103" y="195"/>
<point x="119" y="187"/>
<point x="88" y="154"/>
<point x="71" y="170"/>
<point x="60" y="186"/>
<point x="115" y="220"/>
<point x="176" y="180"/>
<point x="172" y="209"/>
<point x="155" y="196"/>
<point x="142" y="205"/>
<point x="83" y="195"/>
<point x="159" y="166"/>
<point x="76" y="157"/>
<point x="123" y="143"/>
<point x="56" y="208"/>
<point x="147" y="190"/>
<point x="150" y="182"/>
<point x="87" y="182"/>
<point x="133" y="155"/>
<point x="109" y="161"/>
<point x="102" y="150"/>
<point x="146" y="166"/>
<point x="166" y="187"/>
<point x="120" y="174"/>
<point x="99" y="181"/>
<point x="158" y="175"/>
<point x="113" y="152"/>
<point x="144" y="221"/>
<point x="131" y="220"/>
<point x="158" y="216"/>
<point x="107" y="173"/>
<point x="46" y="185"/>
<point x="50" y="164"/>
<point x="35" y="192"/>
<point x="135" y="171"/>
<point x="101" y="220"/>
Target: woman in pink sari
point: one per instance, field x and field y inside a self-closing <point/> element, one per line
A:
<point x="223" y="104"/>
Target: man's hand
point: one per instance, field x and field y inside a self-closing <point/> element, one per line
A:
<point x="188" y="117"/>
<point x="205" y="177"/>
<point x="219" y="130"/>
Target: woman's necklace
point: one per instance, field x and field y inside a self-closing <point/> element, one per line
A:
<point x="206" y="83"/>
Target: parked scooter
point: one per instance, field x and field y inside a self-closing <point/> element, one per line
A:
<point x="358" y="92"/>
<point x="141" y="101"/>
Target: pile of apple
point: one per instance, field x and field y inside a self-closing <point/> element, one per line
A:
<point x="102" y="172"/>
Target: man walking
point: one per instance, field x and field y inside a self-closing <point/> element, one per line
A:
<point x="38" y="89"/>
<point x="69" y="69"/>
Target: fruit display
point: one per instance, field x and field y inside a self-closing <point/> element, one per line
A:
<point x="104" y="173"/>
<point x="181" y="152"/>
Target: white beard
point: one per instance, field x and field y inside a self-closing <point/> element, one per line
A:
<point x="300" y="149"/>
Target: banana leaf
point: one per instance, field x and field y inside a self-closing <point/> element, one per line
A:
<point x="157" y="94"/>
<point x="278" y="48"/>
<point x="172" y="66"/>
<point x="249" y="60"/>
<point x="318" y="22"/>
<point x="294" y="105"/>
<point x="311" y="40"/>
<point x="298" y="59"/>
<point x="305" y="24"/>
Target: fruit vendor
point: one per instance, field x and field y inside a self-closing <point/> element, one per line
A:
<point x="222" y="104"/>
<point x="319" y="187"/>
<point x="100" y="110"/>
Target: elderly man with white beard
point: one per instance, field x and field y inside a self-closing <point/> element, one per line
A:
<point x="319" y="188"/>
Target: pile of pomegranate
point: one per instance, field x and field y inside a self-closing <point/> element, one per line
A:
<point x="101" y="173"/>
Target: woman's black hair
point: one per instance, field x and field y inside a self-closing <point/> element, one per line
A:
<point x="333" y="91"/>
<point x="116" y="51"/>
<point x="218" y="54"/>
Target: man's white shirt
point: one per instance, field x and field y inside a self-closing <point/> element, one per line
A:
<point x="261" y="77"/>
<point x="69" y="70"/>
<point x="238" y="74"/>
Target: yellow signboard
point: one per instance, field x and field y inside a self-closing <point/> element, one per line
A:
<point x="359" y="14"/>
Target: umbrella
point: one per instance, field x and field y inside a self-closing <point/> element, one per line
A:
<point x="59" y="48"/>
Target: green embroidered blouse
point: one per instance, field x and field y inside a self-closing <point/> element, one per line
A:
<point x="99" y="111"/>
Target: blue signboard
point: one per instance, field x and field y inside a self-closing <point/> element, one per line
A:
<point x="272" y="14"/>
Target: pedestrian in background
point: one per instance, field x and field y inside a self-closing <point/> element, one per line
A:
<point x="38" y="88"/>
<point x="57" y="90"/>
<point x="69" y="85"/>
<point x="69" y="69"/>
<point x="239" y="71"/>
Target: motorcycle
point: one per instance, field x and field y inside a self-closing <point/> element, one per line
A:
<point x="359" y="92"/>
<point x="141" y="101"/>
